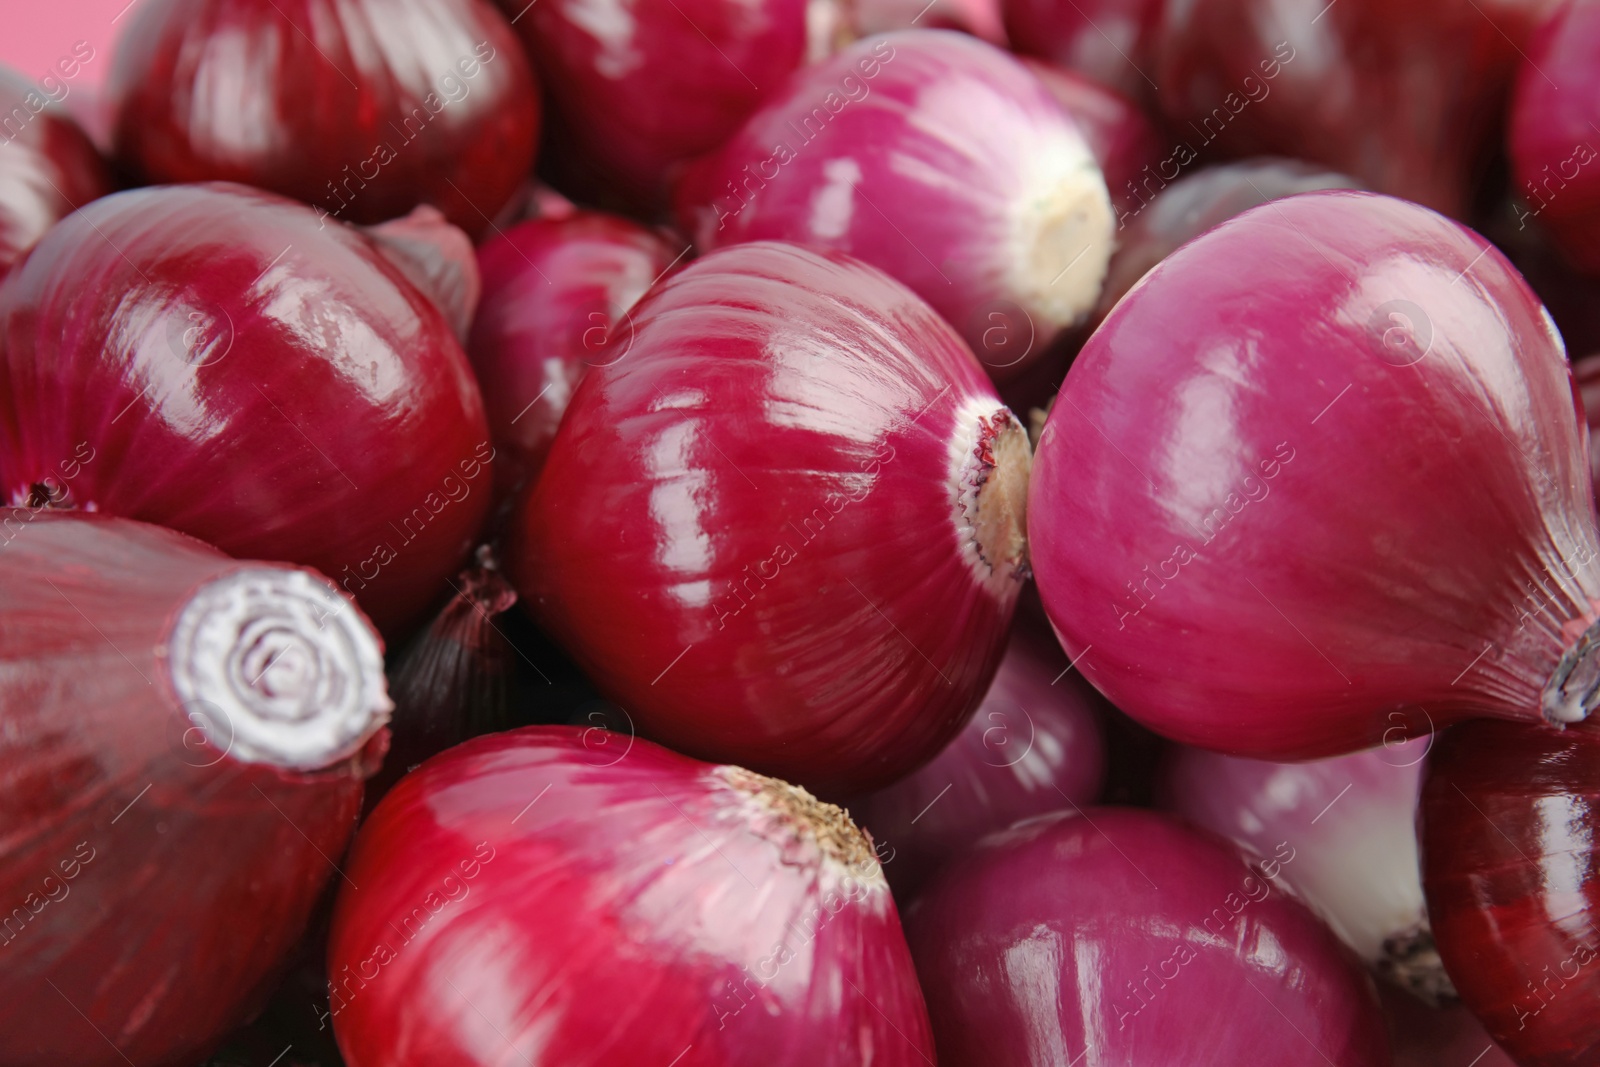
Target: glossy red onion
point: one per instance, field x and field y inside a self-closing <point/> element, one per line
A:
<point x="1352" y="819"/>
<point x="1154" y="217"/>
<point x="1034" y="745"/>
<point x="183" y="740"/>
<point x="1510" y="820"/>
<point x="48" y="166"/>
<point x="1424" y="1036"/>
<point x="1108" y="40"/>
<point x="786" y="529"/>
<point x="637" y="87"/>
<point x="250" y="375"/>
<point x="1123" y="936"/>
<point x="1555" y="148"/>
<point x="539" y="896"/>
<point x="557" y="293"/>
<point x="363" y="108"/>
<point x="1121" y="136"/>
<point x="938" y="159"/>
<point x="1227" y="518"/>
<point x="1407" y="98"/>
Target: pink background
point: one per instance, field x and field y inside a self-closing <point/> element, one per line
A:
<point x="38" y="33"/>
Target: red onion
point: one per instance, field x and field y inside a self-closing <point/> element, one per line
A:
<point x="1586" y="376"/>
<point x="1555" y="147"/>
<point x="48" y="167"/>
<point x="438" y="259"/>
<point x="1034" y="746"/>
<point x="1155" y="218"/>
<point x="1108" y="40"/>
<point x="1240" y="550"/>
<point x="183" y="739"/>
<point x="1122" y="138"/>
<point x="1424" y="1036"/>
<point x="556" y="299"/>
<point x="638" y="87"/>
<point x="1509" y="823"/>
<point x="786" y="530"/>
<point x="1406" y="97"/>
<point x="251" y="375"/>
<point x="937" y="158"/>
<point x="1122" y="936"/>
<point x="1352" y="819"/>
<point x="536" y="896"/>
<point x="364" y="108"/>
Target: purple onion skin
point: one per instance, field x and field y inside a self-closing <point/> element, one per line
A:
<point x="556" y="298"/>
<point x="1121" y="136"/>
<point x="1132" y="938"/>
<point x="1155" y="218"/>
<point x="936" y="158"/>
<point x="218" y="360"/>
<point x="1107" y="40"/>
<point x="364" y="108"/>
<point x="1224" y="517"/>
<point x="648" y="85"/>
<point x="581" y="897"/>
<point x="1034" y="745"/>
<point x="980" y="18"/>
<point x="1408" y="97"/>
<point x="1555" y="149"/>
<point x="1352" y="820"/>
<point x="1586" y="376"/>
<point x="48" y="167"/>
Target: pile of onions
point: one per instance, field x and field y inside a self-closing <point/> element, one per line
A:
<point x="787" y="529"/>
<point x="939" y="159"/>
<point x="364" y="108"/>
<point x="1352" y="821"/>
<point x="538" y="896"/>
<point x="48" y="167"/>
<point x="637" y="88"/>
<point x="1408" y="98"/>
<point x="1122" y="936"/>
<point x="220" y="361"/>
<point x="1236" y="546"/>
<point x="1033" y="746"/>
<point x="183" y="740"/>
<point x="556" y="298"/>
<point x="1555" y="147"/>
<point x="1510" y="820"/>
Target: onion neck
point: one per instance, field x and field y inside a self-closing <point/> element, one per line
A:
<point x="1573" y="690"/>
<point x="792" y="815"/>
<point x="1411" y="961"/>
<point x="272" y="665"/>
<point x="992" y="463"/>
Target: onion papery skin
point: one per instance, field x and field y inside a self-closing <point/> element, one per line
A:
<point x="1123" y="936"/>
<point x="48" y="167"/>
<point x="1121" y="136"/>
<point x="1407" y="98"/>
<point x="557" y="296"/>
<point x="1034" y="745"/>
<point x="156" y="866"/>
<point x="1225" y="519"/>
<point x="249" y="376"/>
<point x="1586" y="376"/>
<point x="363" y="108"/>
<point x="1555" y="151"/>
<point x="751" y="532"/>
<point x="1159" y="217"/>
<point x="937" y="158"/>
<point x="438" y="259"/>
<point x="1353" y="821"/>
<point x="550" y="893"/>
<point x="1107" y="40"/>
<point x="635" y="93"/>
<point x="1510" y="817"/>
